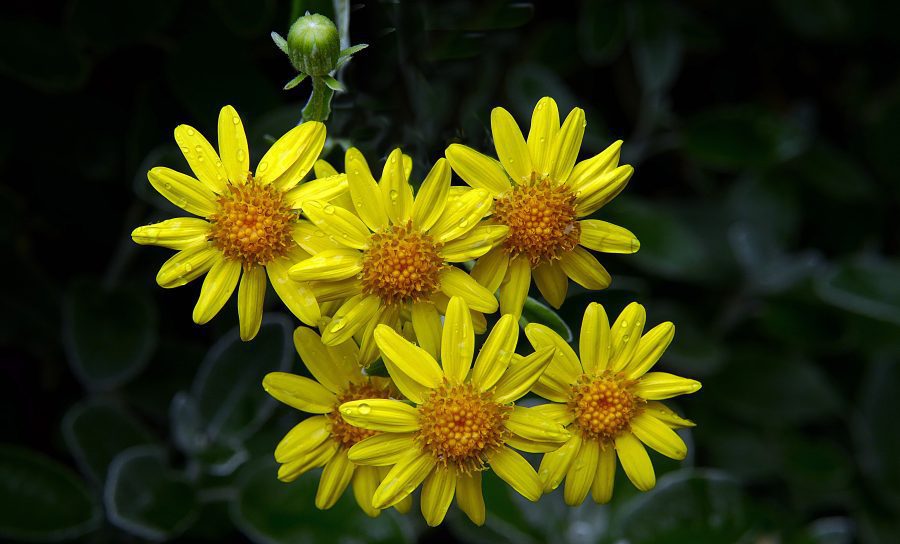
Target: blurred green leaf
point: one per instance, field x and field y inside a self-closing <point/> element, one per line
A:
<point x="866" y="285"/>
<point x="272" y="512"/>
<point x="832" y="530"/>
<point x="42" y="500"/>
<point x="874" y="429"/>
<point x="697" y="506"/>
<point x="245" y="19"/>
<point x="109" y="25"/>
<point x="505" y="521"/>
<point x="527" y="83"/>
<point x="146" y="498"/>
<point x="109" y="334"/>
<point x="42" y="57"/>
<point x="601" y="30"/>
<point x="657" y="46"/>
<point x="96" y="431"/>
<point x="535" y="311"/>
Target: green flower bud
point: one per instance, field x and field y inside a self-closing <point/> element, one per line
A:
<point x="314" y="45"/>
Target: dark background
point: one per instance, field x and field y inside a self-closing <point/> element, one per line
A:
<point x="766" y="197"/>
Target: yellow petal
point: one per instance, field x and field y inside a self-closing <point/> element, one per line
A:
<point x="565" y="363"/>
<point x="493" y="359"/>
<point x="365" y="482"/>
<point x="514" y="289"/>
<point x="217" y="287"/>
<point x="383" y="449"/>
<point x="650" y="348"/>
<point x="555" y="464"/>
<point x="297" y="296"/>
<point x="478" y="170"/>
<point x="521" y="375"/>
<point x="658" y="436"/>
<point x="299" y="392"/>
<point x="332" y="291"/>
<point x="306" y="436"/>
<point x="461" y="215"/>
<point x="233" y="148"/>
<point x="567" y="145"/>
<point x="457" y="341"/>
<point x="552" y="282"/>
<point x="344" y="225"/>
<point x="403" y="478"/>
<point x="594" y="340"/>
<point x="292" y="156"/>
<point x="324" y="169"/>
<point x="396" y="193"/>
<point x="202" y="158"/>
<point x="364" y="192"/>
<point x="455" y="282"/>
<point x="542" y="134"/>
<point x="510" y="145"/>
<point x="668" y="416"/>
<point x="662" y="385"/>
<point x="606" y="237"/>
<point x="324" y="190"/>
<point x="625" y="335"/>
<point x="411" y="360"/>
<point x="251" y="295"/>
<point x="332" y="368"/>
<point x="368" y="349"/>
<point x="533" y="425"/>
<point x="513" y="469"/>
<point x="350" y="317"/>
<point x="187" y="265"/>
<point x="602" y="488"/>
<point x="558" y="412"/>
<point x="335" y="479"/>
<point x="432" y="197"/>
<point x="473" y="245"/>
<point x="596" y="193"/>
<point x="581" y="472"/>
<point x="437" y="494"/>
<point x="184" y="191"/>
<point x="490" y="269"/>
<point x="328" y="265"/>
<point x="584" y="269"/>
<point x="635" y="461"/>
<point x="289" y="472"/>
<point x="588" y="170"/>
<point x="469" y="497"/>
<point x="386" y="415"/>
<point x="427" y="323"/>
<point x="312" y="239"/>
<point x="178" y="233"/>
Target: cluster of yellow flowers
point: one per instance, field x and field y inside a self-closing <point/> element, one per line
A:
<point x="371" y="265"/>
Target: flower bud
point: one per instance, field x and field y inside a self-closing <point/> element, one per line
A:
<point x="314" y="45"/>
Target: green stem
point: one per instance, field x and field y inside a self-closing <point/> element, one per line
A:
<point x="319" y="106"/>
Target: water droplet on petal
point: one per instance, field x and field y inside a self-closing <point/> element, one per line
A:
<point x="262" y="166"/>
<point x="364" y="409"/>
<point x="329" y="209"/>
<point x="236" y="120"/>
<point x="190" y="132"/>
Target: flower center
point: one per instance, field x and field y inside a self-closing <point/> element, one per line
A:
<point x="460" y="425"/>
<point x="253" y="224"/>
<point x="401" y="265"/>
<point x="342" y="432"/>
<point x="603" y="405"/>
<point x="541" y="219"/>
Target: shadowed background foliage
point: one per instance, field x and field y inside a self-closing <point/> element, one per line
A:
<point x="766" y="197"/>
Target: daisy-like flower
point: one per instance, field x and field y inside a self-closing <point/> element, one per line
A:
<point x="609" y="402"/>
<point x="542" y="195"/>
<point x="389" y="257"/>
<point x="250" y="219"/>
<point x="461" y="423"/>
<point x="325" y="438"/>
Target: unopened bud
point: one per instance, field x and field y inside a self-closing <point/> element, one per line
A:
<point x="314" y="45"/>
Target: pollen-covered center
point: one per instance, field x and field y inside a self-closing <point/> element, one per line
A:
<point x="541" y="219"/>
<point x="253" y="224"/>
<point x="342" y="432"/>
<point x="401" y="264"/>
<point x="603" y="405"/>
<point x="460" y="425"/>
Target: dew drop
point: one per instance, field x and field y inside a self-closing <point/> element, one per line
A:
<point x="364" y="409"/>
<point x="394" y="195"/>
<point x="188" y="267"/>
<point x="329" y="209"/>
<point x="236" y="120"/>
<point x="190" y="132"/>
<point x="262" y="166"/>
<point x="240" y="155"/>
<point x="464" y="223"/>
<point x="624" y="323"/>
<point x="337" y="325"/>
<point x="625" y="338"/>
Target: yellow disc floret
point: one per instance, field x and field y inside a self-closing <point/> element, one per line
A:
<point x="460" y="425"/>
<point x="541" y="219"/>
<point x="603" y="405"/>
<point x="253" y="224"/>
<point x="401" y="264"/>
<point x="342" y="432"/>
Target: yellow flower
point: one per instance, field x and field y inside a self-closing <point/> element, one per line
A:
<point x="608" y="400"/>
<point x="541" y="195"/>
<point x="250" y="219"/>
<point x="388" y="256"/>
<point x="325" y="438"/>
<point x="461" y="423"/>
